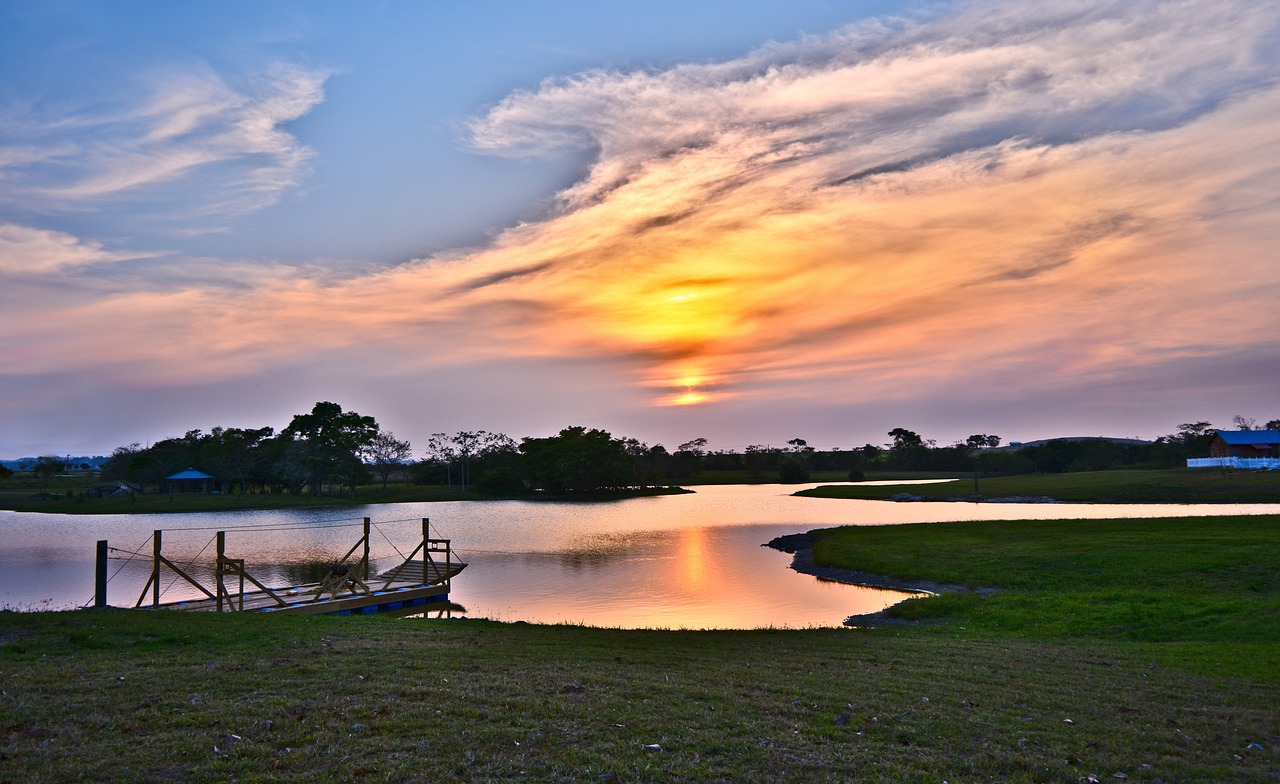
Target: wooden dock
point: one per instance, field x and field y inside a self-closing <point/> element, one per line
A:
<point x="420" y="584"/>
<point x="401" y="588"/>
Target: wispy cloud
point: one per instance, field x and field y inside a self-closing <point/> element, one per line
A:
<point x="31" y="252"/>
<point x="866" y="197"/>
<point x="196" y="144"/>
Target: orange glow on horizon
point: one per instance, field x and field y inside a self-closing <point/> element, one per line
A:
<point x="689" y="399"/>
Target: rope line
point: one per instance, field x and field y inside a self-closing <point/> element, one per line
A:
<point x="122" y="550"/>
<point x="189" y="564"/>
<point x="132" y="554"/>
<point x="337" y="522"/>
<point x="393" y="544"/>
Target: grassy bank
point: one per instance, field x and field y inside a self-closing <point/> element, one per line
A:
<point x="1206" y="589"/>
<point x="132" y="696"/>
<point x="1172" y="486"/>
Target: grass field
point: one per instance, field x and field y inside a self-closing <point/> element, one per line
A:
<point x="1141" y="649"/>
<point x="1172" y="486"/>
<point x="1207" y="588"/>
<point x="137" y="697"/>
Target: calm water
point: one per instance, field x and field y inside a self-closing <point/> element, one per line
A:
<point x="686" y="561"/>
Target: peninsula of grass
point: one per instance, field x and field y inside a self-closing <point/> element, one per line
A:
<point x="1105" y="650"/>
<point x="1206" y="589"/>
<point x="1169" y="486"/>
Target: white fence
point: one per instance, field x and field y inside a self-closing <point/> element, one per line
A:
<point x="1269" y="463"/>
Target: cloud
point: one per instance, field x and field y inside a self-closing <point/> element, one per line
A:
<point x="32" y="252"/>
<point x="869" y="196"/>
<point x="1006" y="201"/>
<point x="196" y="144"/>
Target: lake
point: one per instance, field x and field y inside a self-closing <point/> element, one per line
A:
<point x="681" y="561"/>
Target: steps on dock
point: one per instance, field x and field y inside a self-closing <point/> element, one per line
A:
<point x="436" y="572"/>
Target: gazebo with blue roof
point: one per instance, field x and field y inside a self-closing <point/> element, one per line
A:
<point x="190" y="481"/>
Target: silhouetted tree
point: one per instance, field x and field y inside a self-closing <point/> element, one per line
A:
<point x="45" y="468"/>
<point x="333" y="443"/>
<point x="388" y="454"/>
<point x="234" y="454"/>
<point x="686" y="461"/>
<point x="577" y="460"/>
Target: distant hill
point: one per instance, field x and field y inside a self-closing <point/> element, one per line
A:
<point x="1108" y="439"/>
<point x="94" y="462"/>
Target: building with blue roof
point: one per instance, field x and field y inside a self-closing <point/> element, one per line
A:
<point x="190" y="481"/>
<point x="1245" y="443"/>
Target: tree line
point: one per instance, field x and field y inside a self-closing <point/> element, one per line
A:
<point x="331" y="451"/>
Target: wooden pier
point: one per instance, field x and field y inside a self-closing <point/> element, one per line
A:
<point x="422" y="581"/>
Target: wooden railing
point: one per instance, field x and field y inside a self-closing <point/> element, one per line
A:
<point x="1254" y="463"/>
<point x="433" y="571"/>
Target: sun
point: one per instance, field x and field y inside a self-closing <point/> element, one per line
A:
<point x="689" y="398"/>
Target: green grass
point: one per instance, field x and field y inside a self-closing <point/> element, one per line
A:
<point x="138" y="696"/>
<point x="1175" y="486"/>
<point x="1185" y="580"/>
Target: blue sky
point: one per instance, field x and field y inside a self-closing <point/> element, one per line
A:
<point x="744" y="221"/>
<point x="399" y="80"/>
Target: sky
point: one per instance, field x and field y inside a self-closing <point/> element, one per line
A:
<point x="743" y="221"/>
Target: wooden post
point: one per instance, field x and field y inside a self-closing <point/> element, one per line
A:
<point x="218" y="568"/>
<point x="100" y="576"/>
<point x="426" y="556"/>
<point x="155" y="568"/>
<point x="366" y="549"/>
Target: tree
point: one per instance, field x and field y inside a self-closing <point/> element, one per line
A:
<point x="388" y="454"/>
<point x="649" y="464"/>
<point x="757" y="458"/>
<point x="792" y="470"/>
<point x="497" y="465"/>
<point x="1272" y="424"/>
<point x="577" y="460"/>
<point x="908" y="451"/>
<point x="905" y="439"/>
<point x="1244" y="423"/>
<point x="233" y="454"/>
<point x="440" y="449"/>
<point x="468" y="443"/>
<point x="979" y="441"/>
<point x="1192" y="431"/>
<point x="333" y="443"/>
<point x="686" y="461"/>
<point x="5" y="471"/>
<point x="47" y="467"/>
<point x="697" y="446"/>
<point x="800" y="447"/>
<point x="120" y="464"/>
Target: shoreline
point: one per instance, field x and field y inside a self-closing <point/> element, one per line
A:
<point x="800" y="546"/>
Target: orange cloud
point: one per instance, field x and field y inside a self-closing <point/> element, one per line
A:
<point x="1022" y="198"/>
